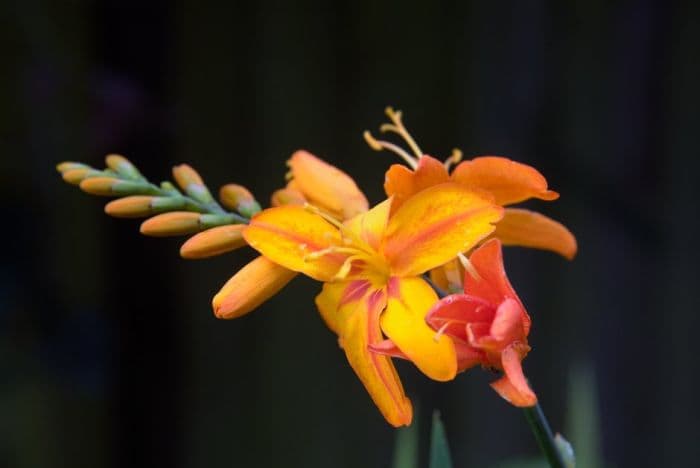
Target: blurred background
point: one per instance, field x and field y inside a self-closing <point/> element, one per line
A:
<point x="109" y="352"/>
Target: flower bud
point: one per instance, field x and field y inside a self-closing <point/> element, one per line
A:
<point x="171" y="224"/>
<point x="122" y="166"/>
<point x="236" y="197"/>
<point x="251" y="286"/>
<point x="185" y="176"/>
<point x="75" y="176"/>
<point x="111" y="186"/>
<point x="70" y="165"/>
<point x="214" y="241"/>
<point x="287" y="196"/>
<point x="136" y="206"/>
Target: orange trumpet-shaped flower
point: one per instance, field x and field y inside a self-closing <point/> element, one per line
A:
<point x="489" y="324"/>
<point x="507" y="181"/>
<point x="370" y="266"/>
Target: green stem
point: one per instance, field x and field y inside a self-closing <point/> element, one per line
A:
<point x="543" y="433"/>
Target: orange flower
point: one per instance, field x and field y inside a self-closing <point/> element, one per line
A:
<point x="506" y="180"/>
<point x="371" y="268"/>
<point x="312" y="180"/>
<point x="488" y="325"/>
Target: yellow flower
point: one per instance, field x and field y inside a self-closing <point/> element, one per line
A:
<point x="371" y="267"/>
<point x="312" y="180"/>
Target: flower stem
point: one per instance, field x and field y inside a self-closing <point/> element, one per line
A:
<point x="543" y="433"/>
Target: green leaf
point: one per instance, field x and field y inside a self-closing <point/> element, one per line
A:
<point x="406" y="447"/>
<point x="439" y="450"/>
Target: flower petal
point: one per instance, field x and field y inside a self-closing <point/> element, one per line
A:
<point x="452" y="313"/>
<point x="249" y="287"/>
<point x="376" y="371"/>
<point x="513" y="386"/>
<point x="335" y="295"/>
<point x="507" y="325"/>
<point x="509" y="181"/>
<point x="531" y="229"/>
<point x="288" y="234"/>
<point x="492" y="285"/>
<point x="433" y="226"/>
<point x="403" y="321"/>
<point x="402" y="183"/>
<point x="370" y="225"/>
<point x="326" y="186"/>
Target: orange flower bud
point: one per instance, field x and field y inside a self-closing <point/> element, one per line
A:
<point x="98" y="185"/>
<point x="123" y="166"/>
<point x="69" y="165"/>
<point x="171" y="224"/>
<point x="184" y="176"/>
<point x="236" y="197"/>
<point x="135" y="206"/>
<point x="75" y="176"/>
<point x="214" y="241"/>
<point x="287" y="196"/>
<point x="251" y="286"/>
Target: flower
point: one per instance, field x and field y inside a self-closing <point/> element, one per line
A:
<point x="507" y="181"/>
<point x="371" y="267"/>
<point x="312" y="180"/>
<point x="488" y="325"/>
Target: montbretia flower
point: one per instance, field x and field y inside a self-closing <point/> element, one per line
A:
<point x="310" y="180"/>
<point x="507" y="181"/>
<point x="371" y="267"/>
<point x="488" y="325"/>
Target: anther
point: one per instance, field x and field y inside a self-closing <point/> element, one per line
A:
<point x="454" y="158"/>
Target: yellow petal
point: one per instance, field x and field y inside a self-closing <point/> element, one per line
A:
<point x="326" y="186"/>
<point x="214" y="241"/>
<point x="328" y="303"/>
<point x="403" y="321"/>
<point x="370" y="226"/>
<point x="288" y="234"/>
<point x="252" y="285"/>
<point x="531" y="229"/>
<point x="376" y="371"/>
<point x="509" y="181"/>
<point x="436" y="224"/>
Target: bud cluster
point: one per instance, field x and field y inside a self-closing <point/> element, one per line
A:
<point x="172" y="210"/>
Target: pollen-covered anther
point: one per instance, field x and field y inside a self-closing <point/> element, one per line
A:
<point x="454" y="158"/>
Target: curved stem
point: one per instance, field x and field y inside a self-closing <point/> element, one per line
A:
<point x="543" y="433"/>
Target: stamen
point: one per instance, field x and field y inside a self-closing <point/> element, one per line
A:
<point x="468" y="266"/>
<point x="454" y="158"/>
<point x="441" y="330"/>
<point x="379" y="145"/>
<point x="399" y="128"/>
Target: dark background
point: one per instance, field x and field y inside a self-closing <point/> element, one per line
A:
<point x="109" y="352"/>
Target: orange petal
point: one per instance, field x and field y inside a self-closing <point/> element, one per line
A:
<point x="433" y="226"/>
<point x="287" y="196"/>
<point x="370" y="225"/>
<point x="288" y="234"/>
<point x="326" y="186"/>
<point x="252" y="285"/>
<point x="403" y="322"/>
<point x="513" y="386"/>
<point x="509" y="181"/>
<point x="214" y="241"/>
<point x="531" y="229"/>
<point x="332" y="296"/>
<point x="376" y="371"/>
<point x="401" y="183"/>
